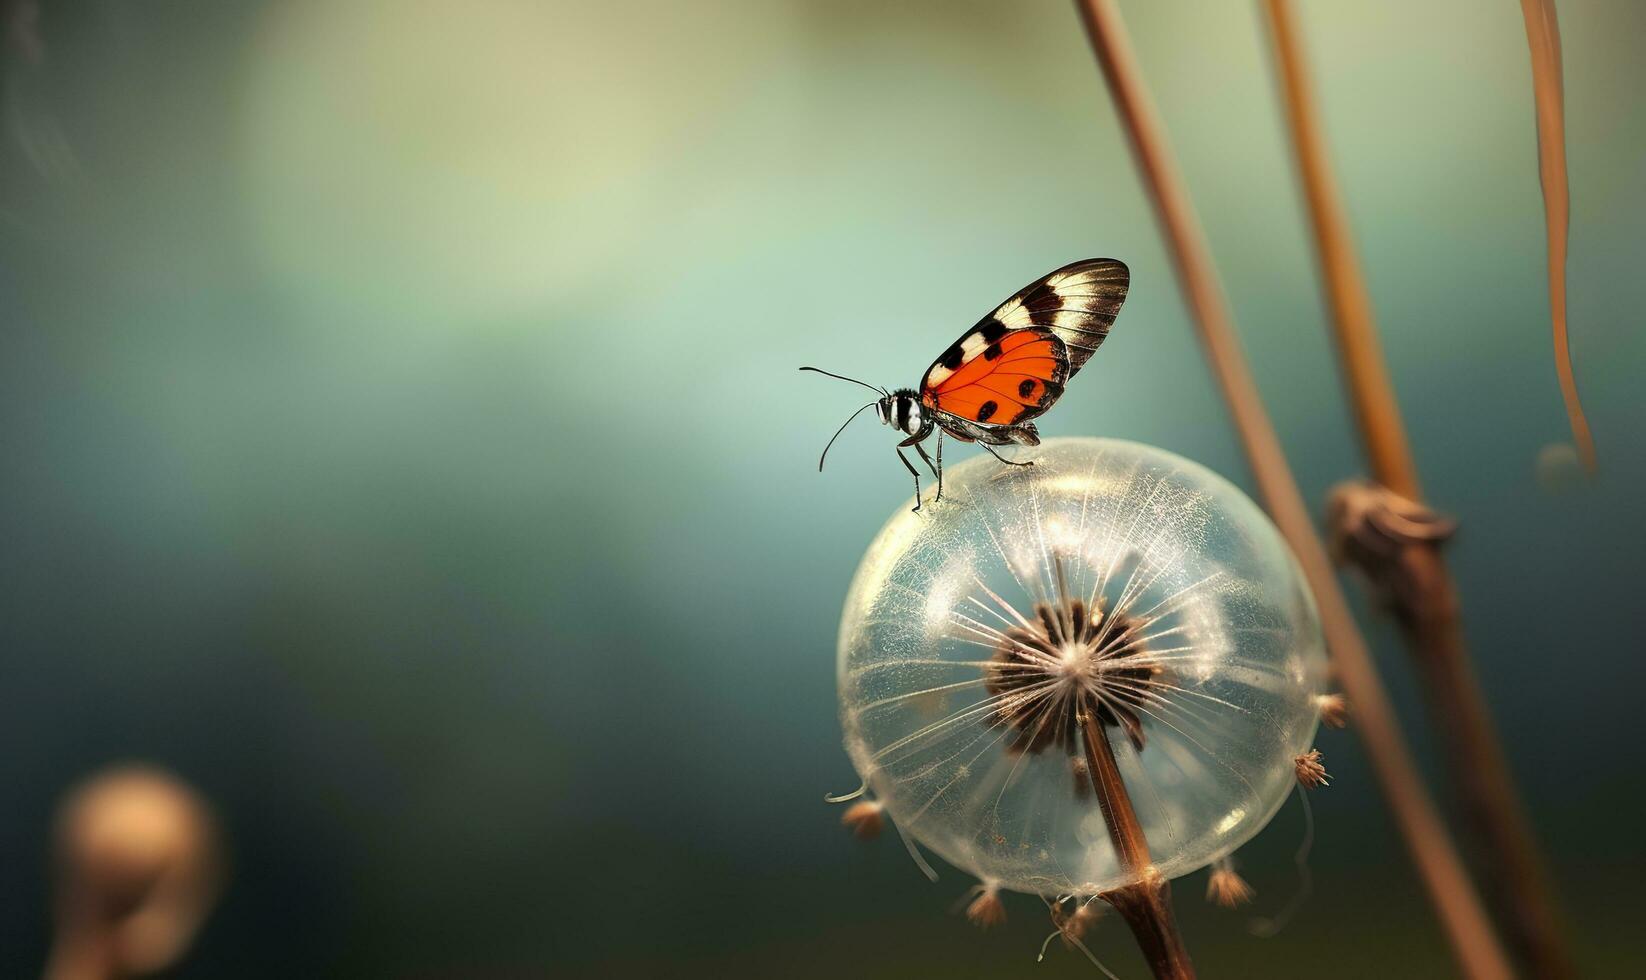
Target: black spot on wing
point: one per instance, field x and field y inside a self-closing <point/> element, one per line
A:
<point x="991" y="329"/>
<point x="1026" y="389"/>
<point x="991" y="352"/>
<point x="1042" y="302"/>
<point x="986" y="411"/>
<point x="951" y="358"/>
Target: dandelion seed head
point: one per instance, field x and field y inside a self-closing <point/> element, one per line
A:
<point x="1110" y="581"/>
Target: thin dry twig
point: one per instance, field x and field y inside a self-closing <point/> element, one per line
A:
<point x="1370" y="390"/>
<point x="1543" y="36"/>
<point x="1423" y="590"/>
<point x="1453" y="895"/>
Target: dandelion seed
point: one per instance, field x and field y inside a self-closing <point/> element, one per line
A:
<point x="1225" y="887"/>
<point x="1073" y="924"/>
<point x="1113" y="605"/>
<point x="987" y="910"/>
<point x="1311" y="771"/>
<point x="864" y="819"/>
<point x="1334" y="710"/>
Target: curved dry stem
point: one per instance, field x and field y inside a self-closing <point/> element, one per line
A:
<point x="1370" y="390"/>
<point x="1548" y="87"/>
<point x="1423" y="589"/>
<point x="1454" y="898"/>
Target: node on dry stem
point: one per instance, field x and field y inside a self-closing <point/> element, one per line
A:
<point x="1374" y="530"/>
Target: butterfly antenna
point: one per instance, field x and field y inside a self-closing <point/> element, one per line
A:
<point x="854" y="381"/>
<point x="839" y="430"/>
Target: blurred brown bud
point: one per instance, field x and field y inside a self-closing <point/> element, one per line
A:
<point x="138" y="869"/>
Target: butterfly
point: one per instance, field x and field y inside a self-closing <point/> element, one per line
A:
<point x="1005" y="371"/>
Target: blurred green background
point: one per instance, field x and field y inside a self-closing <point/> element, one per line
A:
<point x="402" y="442"/>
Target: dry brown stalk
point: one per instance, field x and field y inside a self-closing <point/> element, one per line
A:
<point x="1399" y="541"/>
<point x="1543" y="35"/>
<point x="1456" y="903"/>
<point x="1357" y="341"/>
<point x="1146" y="905"/>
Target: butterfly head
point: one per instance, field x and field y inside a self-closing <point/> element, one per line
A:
<point x="901" y="410"/>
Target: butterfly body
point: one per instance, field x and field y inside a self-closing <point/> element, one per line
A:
<point x="1008" y="369"/>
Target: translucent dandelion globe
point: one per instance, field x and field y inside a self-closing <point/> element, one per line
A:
<point x="1112" y="613"/>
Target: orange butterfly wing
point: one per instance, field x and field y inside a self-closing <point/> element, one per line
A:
<point x="1011" y="366"/>
<point x="1008" y="379"/>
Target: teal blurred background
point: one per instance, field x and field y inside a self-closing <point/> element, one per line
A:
<point x="402" y="442"/>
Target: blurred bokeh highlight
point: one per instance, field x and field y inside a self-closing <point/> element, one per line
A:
<point x="403" y="445"/>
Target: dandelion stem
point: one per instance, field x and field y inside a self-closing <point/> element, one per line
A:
<point x="1146" y="905"/>
<point x="1427" y="593"/>
<point x="1452" y="894"/>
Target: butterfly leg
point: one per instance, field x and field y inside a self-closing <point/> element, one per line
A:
<point x="939" y="465"/>
<point x="936" y="468"/>
<point x="1008" y="462"/>
<point x="912" y="472"/>
<point x="926" y="457"/>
